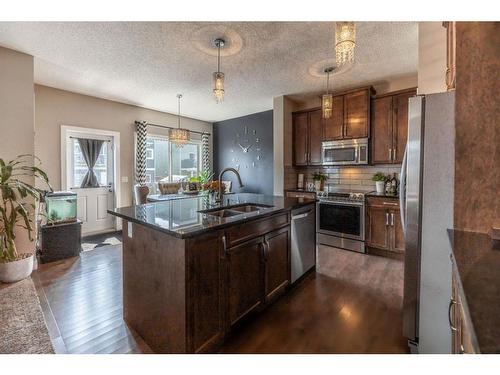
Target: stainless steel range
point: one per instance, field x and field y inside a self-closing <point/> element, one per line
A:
<point x="340" y="220"/>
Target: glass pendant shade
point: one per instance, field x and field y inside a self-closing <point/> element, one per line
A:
<point x="219" y="87"/>
<point x="345" y="42"/>
<point x="327" y="105"/>
<point x="179" y="137"/>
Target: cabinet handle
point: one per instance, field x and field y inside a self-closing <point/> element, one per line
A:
<point x="224" y="246"/>
<point x="450" y="306"/>
<point x="266" y="252"/>
<point x="305" y="156"/>
<point x="386" y="218"/>
<point x="392" y="219"/>
<point x="394" y="154"/>
<point x="390" y="154"/>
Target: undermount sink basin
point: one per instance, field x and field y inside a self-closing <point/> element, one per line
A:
<point x="235" y="210"/>
<point x="250" y="207"/>
<point x="223" y="213"/>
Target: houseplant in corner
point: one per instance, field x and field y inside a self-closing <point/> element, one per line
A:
<point x="379" y="179"/>
<point x="319" y="181"/>
<point x="17" y="203"/>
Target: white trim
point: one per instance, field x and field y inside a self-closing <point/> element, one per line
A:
<point x="65" y="130"/>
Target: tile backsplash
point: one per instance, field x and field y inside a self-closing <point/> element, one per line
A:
<point x="352" y="178"/>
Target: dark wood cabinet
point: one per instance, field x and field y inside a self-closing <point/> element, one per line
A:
<point x="384" y="230"/>
<point x="350" y="119"/>
<point x="315" y="136"/>
<point x="245" y="271"/>
<point x="389" y="125"/>
<point x="357" y="114"/>
<point x="333" y="128"/>
<point x="300" y="138"/>
<point x="277" y="263"/>
<point x="377" y="227"/>
<point x="307" y="137"/>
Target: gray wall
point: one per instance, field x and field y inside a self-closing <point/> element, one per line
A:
<point x="258" y="177"/>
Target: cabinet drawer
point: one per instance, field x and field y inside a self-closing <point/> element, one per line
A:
<point x="246" y="231"/>
<point x="387" y="202"/>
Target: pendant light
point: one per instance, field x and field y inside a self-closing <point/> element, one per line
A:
<point x="345" y="42"/>
<point x="327" y="99"/>
<point x="179" y="136"/>
<point x="218" y="75"/>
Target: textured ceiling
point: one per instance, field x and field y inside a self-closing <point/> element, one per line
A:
<point x="148" y="63"/>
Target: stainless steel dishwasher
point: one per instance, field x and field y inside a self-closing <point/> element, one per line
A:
<point x="303" y="252"/>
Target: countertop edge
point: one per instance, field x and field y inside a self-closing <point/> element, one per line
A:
<point x="215" y="228"/>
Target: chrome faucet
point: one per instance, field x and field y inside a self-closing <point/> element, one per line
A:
<point x="221" y="187"/>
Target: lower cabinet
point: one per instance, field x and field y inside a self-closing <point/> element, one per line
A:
<point x="277" y="263"/>
<point x="384" y="230"/>
<point x="462" y="333"/>
<point x="245" y="278"/>
<point x="258" y="271"/>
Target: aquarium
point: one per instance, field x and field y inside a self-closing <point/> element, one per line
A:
<point x="60" y="207"/>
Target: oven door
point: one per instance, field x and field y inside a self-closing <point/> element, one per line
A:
<point x="342" y="219"/>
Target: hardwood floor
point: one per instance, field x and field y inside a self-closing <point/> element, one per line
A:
<point x="351" y="305"/>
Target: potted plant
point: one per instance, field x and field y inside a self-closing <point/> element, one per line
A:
<point x="17" y="203"/>
<point x="319" y="179"/>
<point x="380" y="180"/>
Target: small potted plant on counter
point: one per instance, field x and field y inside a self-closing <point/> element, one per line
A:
<point x="319" y="179"/>
<point x="380" y="180"/>
<point x="17" y="203"/>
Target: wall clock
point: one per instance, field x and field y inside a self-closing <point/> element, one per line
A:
<point x="246" y="145"/>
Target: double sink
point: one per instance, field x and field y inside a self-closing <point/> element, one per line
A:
<point x="240" y="209"/>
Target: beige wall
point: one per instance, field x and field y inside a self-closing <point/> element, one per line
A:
<point x="16" y="114"/>
<point x="431" y="57"/>
<point x="57" y="107"/>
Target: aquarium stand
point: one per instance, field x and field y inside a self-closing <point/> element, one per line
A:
<point x="60" y="241"/>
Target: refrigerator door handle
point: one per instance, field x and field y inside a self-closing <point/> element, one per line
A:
<point x="402" y="191"/>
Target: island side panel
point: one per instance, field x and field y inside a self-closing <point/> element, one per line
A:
<point x="154" y="287"/>
<point x="205" y="280"/>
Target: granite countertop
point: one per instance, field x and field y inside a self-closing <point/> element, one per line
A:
<point x="181" y="217"/>
<point x="301" y="190"/>
<point x="477" y="261"/>
<point x="375" y="194"/>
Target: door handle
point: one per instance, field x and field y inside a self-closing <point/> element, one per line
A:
<point x="450" y="306"/>
<point x="389" y="204"/>
<point x="386" y="218"/>
<point x="392" y="219"/>
<point x="390" y="154"/>
<point x="266" y="251"/>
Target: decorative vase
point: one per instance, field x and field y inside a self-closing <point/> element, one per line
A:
<point x="317" y="185"/>
<point x="17" y="270"/>
<point x="380" y="186"/>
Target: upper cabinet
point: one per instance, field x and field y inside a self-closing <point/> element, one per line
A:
<point x="389" y="127"/>
<point x="307" y="136"/>
<point x="357" y="114"/>
<point x="351" y="116"/>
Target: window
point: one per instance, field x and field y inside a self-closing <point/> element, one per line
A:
<point x="167" y="162"/>
<point x="80" y="166"/>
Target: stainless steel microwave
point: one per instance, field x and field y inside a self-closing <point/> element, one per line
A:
<point x="346" y="152"/>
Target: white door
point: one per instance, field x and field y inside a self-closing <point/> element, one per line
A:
<point x="93" y="203"/>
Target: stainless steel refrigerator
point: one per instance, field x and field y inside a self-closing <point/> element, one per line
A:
<point x="426" y="200"/>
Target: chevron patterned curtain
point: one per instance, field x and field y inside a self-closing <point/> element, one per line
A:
<point x="140" y="157"/>
<point x="205" y="154"/>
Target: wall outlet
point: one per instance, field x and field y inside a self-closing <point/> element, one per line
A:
<point x="124" y="178"/>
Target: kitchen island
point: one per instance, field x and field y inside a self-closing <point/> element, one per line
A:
<point x="192" y="270"/>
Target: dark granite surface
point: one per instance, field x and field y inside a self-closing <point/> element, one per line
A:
<point x="181" y="217"/>
<point x="477" y="261"/>
<point x="384" y="195"/>
<point x="301" y="190"/>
